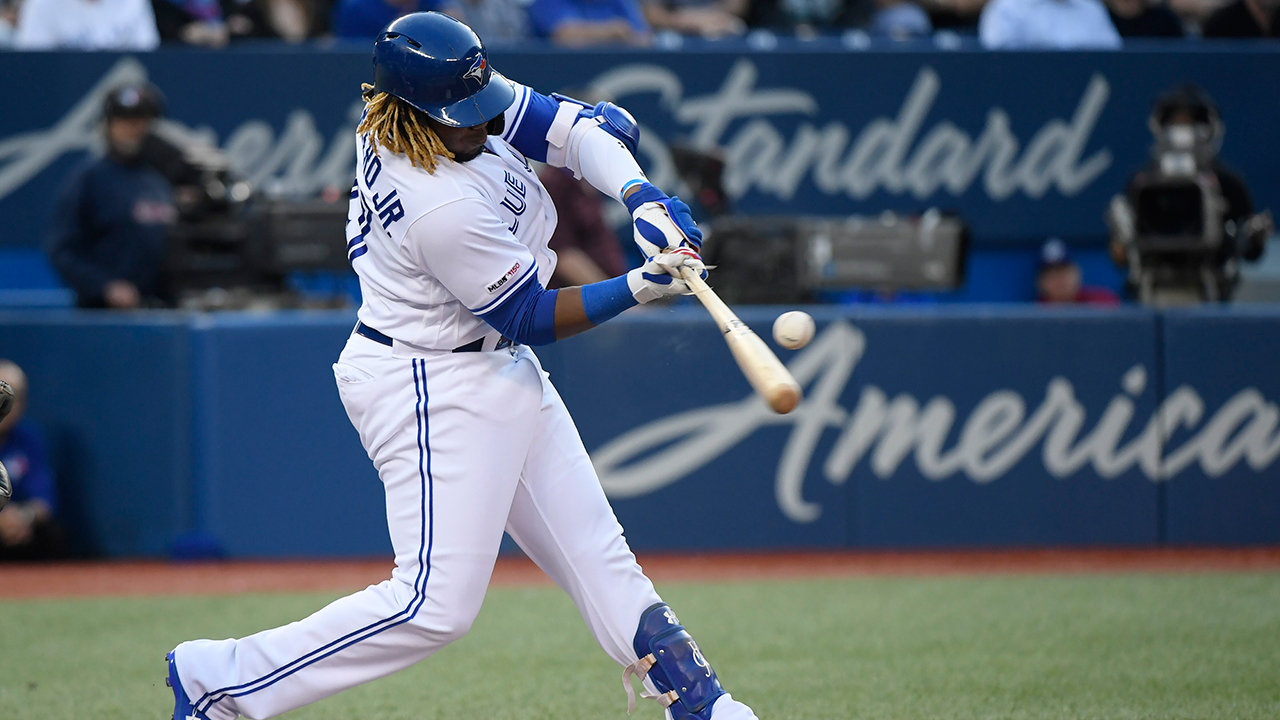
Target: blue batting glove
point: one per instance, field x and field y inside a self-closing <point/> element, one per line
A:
<point x="662" y="224"/>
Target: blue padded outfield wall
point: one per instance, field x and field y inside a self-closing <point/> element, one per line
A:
<point x="921" y="428"/>
<point x="1025" y="145"/>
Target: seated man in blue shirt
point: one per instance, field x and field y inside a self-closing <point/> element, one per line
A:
<point x="576" y="23"/>
<point x="360" y="19"/>
<point x="108" y="234"/>
<point x="28" y="526"/>
<point x="1047" y="25"/>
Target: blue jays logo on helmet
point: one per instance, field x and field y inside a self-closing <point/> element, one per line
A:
<point x="476" y="72"/>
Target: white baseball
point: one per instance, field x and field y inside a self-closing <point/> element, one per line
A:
<point x="793" y="330"/>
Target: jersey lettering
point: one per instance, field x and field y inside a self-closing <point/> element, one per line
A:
<point x="389" y="208"/>
<point x="514" y="198"/>
<point x="372" y="165"/>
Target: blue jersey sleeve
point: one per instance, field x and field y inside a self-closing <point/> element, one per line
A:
<point x="528" y="120"/>
<point x="634" y="15"/>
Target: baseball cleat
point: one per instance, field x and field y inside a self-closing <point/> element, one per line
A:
<point x="182" y="709"/>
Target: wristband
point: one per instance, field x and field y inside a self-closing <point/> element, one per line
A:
<point x="648" y="192"/>
<point x="605" y="299"/>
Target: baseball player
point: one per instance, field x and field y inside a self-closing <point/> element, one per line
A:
<point x="448" y="232"/>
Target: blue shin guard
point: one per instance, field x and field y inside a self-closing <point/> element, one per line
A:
<point x="687" y="686"/>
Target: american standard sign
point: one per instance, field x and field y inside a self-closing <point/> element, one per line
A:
<point x="1001" y="430"/>
<point x="901" y="155"/>
<point x="299" y="160"/>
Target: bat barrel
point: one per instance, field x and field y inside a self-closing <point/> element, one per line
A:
<point x="766" y="373"/>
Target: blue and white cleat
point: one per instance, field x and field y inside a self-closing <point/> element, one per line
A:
<point x="182" y="709"/>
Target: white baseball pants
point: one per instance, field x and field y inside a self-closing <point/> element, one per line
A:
<point x="466" y="445"/>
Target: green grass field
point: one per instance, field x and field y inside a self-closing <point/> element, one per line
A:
<point x="1157" y="646"/>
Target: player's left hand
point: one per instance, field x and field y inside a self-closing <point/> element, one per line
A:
<point x="662" y="224"/>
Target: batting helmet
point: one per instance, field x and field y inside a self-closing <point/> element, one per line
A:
<point x="440" y="67"/>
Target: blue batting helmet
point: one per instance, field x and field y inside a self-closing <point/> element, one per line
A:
<point x="439" y="66"/>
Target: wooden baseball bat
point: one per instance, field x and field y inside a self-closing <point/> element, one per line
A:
<point x="764" y="371"/>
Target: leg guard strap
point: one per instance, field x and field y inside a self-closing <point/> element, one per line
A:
<point x="687" y="685"/>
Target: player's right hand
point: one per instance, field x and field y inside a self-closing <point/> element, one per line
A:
<point x="659" y="277"/>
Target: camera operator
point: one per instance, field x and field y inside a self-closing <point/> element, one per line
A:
<point x="107" y="238"/>
<point x="1185" y="220"/>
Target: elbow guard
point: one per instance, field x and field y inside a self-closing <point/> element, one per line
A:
<point x="575" y="117"/>
<point x="618" y="122"/>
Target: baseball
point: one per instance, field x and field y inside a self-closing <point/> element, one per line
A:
<point x="793" y="330"/>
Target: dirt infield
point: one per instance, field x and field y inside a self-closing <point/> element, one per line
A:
<point x="160" y="578"/>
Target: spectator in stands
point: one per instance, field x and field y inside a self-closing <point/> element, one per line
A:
<point x="8" y="23"/>
<point x="212" y="23"/>
<point x="1194" y="12"/>
<point x="1245" y="19"/>
<point x="808" y="17"/>
<point x="494" y="20"/>
<point x="953" y="14"/>
<point x="29" y="529"/>
<point x="1144" y="18"/>
<point x="108" y="233"/>
<point x="1058" y="280"/>
<point x="1047" y="25"/>
<point x="86" y="25"/>
<point x="586" y="247"/>
<point x="359" y="19"/>
<point x="706" y="18"/>
<point x="579" y="23"/>
<point x="898" y="19"/>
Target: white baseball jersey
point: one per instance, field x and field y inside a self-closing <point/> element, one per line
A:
<point x="433" y="251"/>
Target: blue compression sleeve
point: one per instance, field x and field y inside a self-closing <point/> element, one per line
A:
<point x="607" y="298"/>
<point x="528" y="316"/>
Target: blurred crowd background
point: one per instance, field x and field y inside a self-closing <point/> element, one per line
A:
<point x="998" y="24"/>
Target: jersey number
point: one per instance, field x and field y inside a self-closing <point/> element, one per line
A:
<point x="388" y="209"/>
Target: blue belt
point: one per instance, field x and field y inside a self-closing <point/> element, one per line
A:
<point x="374" y="335"/>
<point x="383" y="338"/>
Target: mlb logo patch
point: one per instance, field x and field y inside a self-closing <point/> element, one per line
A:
<point x="503" y="280"/>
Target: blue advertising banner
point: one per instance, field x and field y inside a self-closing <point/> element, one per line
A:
<point x="279" y="470"/>
<point x="917" y="430"/>
<point x="1025" y="145"/>
<point x="112" y="397"/>
<point x="1028" y="456"/>
<point x="1220" y="413"/>
<point x="945" y="428"/>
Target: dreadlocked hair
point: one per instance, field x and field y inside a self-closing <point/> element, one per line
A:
<point x="401" y="128"/>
